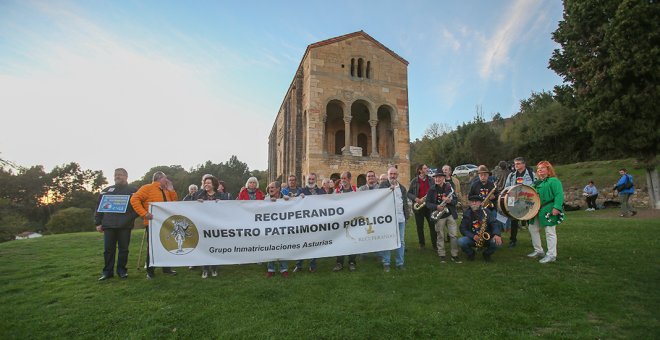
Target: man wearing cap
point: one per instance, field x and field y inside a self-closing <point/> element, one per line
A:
<point x="439" y="197"/>
<point x="473" y="220"/>
<point x="482" y="187"/>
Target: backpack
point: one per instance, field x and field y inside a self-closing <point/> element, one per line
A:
<point x="628" y="184"/>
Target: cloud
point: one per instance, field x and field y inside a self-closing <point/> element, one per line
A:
<point x="509" y="31"/>
<point x="106" y="101"/>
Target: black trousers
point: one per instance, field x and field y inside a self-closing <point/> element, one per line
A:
<point x="515" y="225"/>
<point x="420" y="216"/>
<point x="113" y="239"/>
<point x="591" y="201"/>
<point x="351" y="259"/>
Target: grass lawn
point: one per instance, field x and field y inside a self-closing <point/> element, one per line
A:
<point x="604" y="285"/>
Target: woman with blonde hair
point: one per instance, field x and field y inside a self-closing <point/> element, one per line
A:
<point x="551" y="213"/>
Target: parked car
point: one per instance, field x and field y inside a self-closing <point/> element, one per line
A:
<point x="465" y="170"/>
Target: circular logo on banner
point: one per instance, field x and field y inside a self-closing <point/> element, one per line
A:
<point x="178" y="235"/>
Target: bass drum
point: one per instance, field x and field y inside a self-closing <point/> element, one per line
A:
<point x="520" y="202"/>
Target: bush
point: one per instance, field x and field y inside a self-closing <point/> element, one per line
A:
<point x="12" y="224"/>
<point x="71" y="220"/>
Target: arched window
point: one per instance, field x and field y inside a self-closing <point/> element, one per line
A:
<point x="339" y="141"/>
<point x="362" y="141"/>
<point x="360" y="68"/>
<point x="368" y="70"/>
<point x="352" y="67"/>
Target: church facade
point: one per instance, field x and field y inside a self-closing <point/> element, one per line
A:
<point x="345" y="110"/>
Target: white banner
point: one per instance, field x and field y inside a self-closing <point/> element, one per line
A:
<point x="233" y="232"/>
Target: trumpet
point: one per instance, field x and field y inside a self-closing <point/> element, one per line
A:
<point x="435" y="215"/>
<point x="419" y="206"/>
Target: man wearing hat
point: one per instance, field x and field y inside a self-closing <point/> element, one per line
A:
<point x="473" y="220"/>
<point x="439" y="197"/>
<point x="482" y="187"/>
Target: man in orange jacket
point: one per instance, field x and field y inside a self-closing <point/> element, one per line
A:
<point x="160" y="190"/>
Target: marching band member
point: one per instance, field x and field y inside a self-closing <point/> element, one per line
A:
<point x="474" y="219"/>
<point x="522" y="175"/>
<point x="439" y="197"/>
<point x="419" y="187"/>
<point x="551" y="193"/>
<point x="483" y="186"/>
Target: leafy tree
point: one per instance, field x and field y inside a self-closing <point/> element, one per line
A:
<point x="609" y="62"/>
<point x="69" y="178"/>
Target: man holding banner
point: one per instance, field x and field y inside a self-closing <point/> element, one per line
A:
<point x="160" y="190"/>
<point x="401" y="208"/>
<point x="114" y="218"/>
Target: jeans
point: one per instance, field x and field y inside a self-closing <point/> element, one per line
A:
<point x="385" y="255"/>
<point x="312" y="264"/>
<point x="467" y="243"/>
<point x="113" y="239"/>
<point x="284" y="266"/>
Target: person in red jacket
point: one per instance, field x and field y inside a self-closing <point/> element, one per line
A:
<point x="251" y="191"/>
<point x="160" y="190"/>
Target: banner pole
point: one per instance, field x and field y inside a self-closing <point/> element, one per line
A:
<point x="144" y="235"/>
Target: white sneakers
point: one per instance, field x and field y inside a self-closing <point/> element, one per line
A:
<point x="547" y="259"/>
<point x="535" y="254"/>
<point x="590" y="209"/>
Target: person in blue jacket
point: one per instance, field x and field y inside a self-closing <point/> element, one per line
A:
<point x="626" y="188"/>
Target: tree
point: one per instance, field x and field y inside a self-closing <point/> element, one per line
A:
<point x="71" y="220"/>
<point x="69" y="178"/>
<point x="609" y="63"/>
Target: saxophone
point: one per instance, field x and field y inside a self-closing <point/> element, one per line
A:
<point x="435" y="215"/>
<point x="483" y="234"/>
<point x="419" y="206"/>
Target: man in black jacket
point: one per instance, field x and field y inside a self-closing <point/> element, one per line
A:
<point x="474" y="219"/>
<point x="115" y="225"/>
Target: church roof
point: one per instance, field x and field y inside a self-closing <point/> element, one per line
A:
<point x="353" y="35"/>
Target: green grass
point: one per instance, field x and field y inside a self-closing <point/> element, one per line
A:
<point x="604" y="285"/>
<point x="604" y="173"/>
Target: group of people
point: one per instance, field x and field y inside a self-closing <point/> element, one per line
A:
<point x="435" y="195"/>
<point x="436" y="202"/>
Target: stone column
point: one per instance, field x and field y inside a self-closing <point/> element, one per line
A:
<point x="395" y="150"/>
<point x="374" y="146"/>
<point x="324" y="137"/>
<point x="347" y="135"/>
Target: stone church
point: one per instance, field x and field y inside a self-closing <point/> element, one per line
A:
<point x="345" y="110"/>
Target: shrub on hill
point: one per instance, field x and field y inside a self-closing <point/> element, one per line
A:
<point x="71" y="220"/>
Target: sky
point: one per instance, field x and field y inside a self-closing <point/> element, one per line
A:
<point x="137" y="84"/>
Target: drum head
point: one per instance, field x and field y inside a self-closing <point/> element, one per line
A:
<point x="520" y="202"/>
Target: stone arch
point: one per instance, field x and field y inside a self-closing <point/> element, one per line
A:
<point x="335" y="110"/>
<point x="361" y="113"/>
<point x="386" y="121"/>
